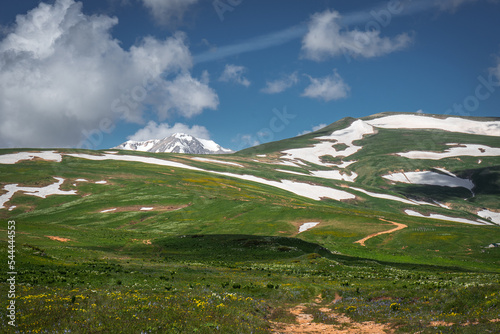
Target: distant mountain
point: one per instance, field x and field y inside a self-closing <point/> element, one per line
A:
<point x="176" y="143"/>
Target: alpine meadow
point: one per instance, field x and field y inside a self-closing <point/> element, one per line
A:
<point x="249" y="167"/>
<point x="362" y="226"/>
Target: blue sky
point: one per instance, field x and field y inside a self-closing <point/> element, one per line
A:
<point x="94" y="74"/>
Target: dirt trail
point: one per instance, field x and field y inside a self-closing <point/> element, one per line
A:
<point x="58" y="238"/>
<point x="399" y="227"/>
<point x="304" y="322"/>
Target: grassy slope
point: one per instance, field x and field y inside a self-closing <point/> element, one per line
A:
<point x="235" y="243"/>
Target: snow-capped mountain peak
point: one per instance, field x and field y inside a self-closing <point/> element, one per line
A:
<point x="176" y="143"/>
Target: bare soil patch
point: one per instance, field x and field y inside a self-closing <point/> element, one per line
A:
<point x="304" y="322"/>
<point x="51" y="237"/>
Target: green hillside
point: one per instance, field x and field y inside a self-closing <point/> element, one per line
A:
<point x="170" y="243"/>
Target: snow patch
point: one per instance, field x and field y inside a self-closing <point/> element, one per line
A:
<point x="101" y="182"/>
<point x="81" y="180"/>
<point x="261" y="155"/>
<point x="306" y="226"/>
<point x="451" y="124"/>
<point x="289" y="163"/>
<point x="146" y="209"/>
<point x="458" y="150"/>
<point x="430" y="178"/>
<point x="389" y="197"/>
<point x="490" y="215"/>
<point x="334" y="175"/>
<point x="131" y="158"/>
<point x="213" y="146"/>
<point x="442" y="205"/>
<point x="108" y="210"/>
<point x="12" y="207"/>
<point x="291" y="172"/>
<point x="445" y="171"/>
<point x="312" y="191"/>
<point x="14" y="158"/>
<point x="346" y="136"/>
<point x="325" y="174"/>
<point x="42" y="192"/>
<point x="442" y="217"/>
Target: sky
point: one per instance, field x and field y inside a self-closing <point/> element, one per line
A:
<point x="92" y="74"/>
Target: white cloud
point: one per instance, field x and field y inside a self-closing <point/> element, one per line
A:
<point x="166" y="11"/>
<point x="234" y="73"/>
<point x="154" y="130"/>
<point x="326" y="38"/>
<point x="187" y="96"/>
<point x="280" y="85"/>
<point x="328" y="88"/>
<point x="314" y="128"/>
<point x="62" y="74"/>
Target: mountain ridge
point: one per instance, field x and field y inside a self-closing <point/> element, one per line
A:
<point x="175" y="143"/>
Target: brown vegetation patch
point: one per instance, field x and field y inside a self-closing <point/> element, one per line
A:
<point x="51" y="237"/>
<point x="441" y="323"/>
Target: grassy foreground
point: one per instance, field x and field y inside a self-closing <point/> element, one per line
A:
<point x="220" y="255"/>
<point x="239" y="284"/>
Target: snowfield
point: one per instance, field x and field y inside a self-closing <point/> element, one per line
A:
<point x="451" y="124"/>
<point x="458" y="150"/>
<point x="16" y="157"/>
<point x="42" y="192"/>
<point x="441" y="217"/>
<point x="356" y="131"/>
<point x="430" y="178"/>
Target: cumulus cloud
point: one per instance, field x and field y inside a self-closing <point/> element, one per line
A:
<point x="314" y="128"/>
<point x="327" y="38"/>
<point x="154" y="130"/>
<point x="234" y="73"/>
<point x="62" y="75"/>
<point x="187" y="96"/>
<point x="168" y="11"/>
<point x="280" y="85"/>
<point x="328" y="88"/>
